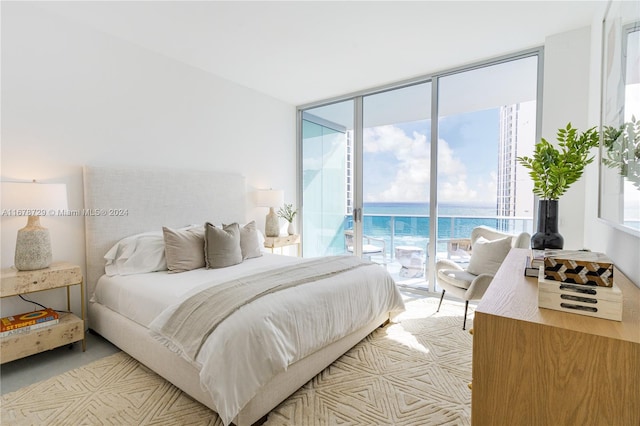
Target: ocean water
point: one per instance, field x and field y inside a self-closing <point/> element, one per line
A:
<point x="408" y="223"/>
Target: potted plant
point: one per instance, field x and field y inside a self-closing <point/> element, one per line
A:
<point x="288" y="213"/>
<point x="553" y="171"/>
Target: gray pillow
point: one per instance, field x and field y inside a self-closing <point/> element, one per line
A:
<point x="222" y="246"/>
<point x="487" y="256"/>
<point x="184" y="249"/>
<point x="249" y="242"/>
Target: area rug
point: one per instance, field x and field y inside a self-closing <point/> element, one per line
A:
<point x="413" y="372"/>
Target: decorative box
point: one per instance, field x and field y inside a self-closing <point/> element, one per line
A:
<point x="578" y="267"/>
<point x="593" y="301"/>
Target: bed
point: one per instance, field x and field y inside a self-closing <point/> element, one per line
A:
<point x="122" y="309"/>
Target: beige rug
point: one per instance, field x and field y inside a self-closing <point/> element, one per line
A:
<point x="411" y="373"/>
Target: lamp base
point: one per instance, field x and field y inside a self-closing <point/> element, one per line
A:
<point x="33" y="247"/>
<point x="271" y="224"/>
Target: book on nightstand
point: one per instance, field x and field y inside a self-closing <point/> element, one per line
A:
<point x="28" y="321"/>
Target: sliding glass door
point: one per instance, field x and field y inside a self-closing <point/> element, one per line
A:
<point x="396" y="151"/>
<point x="486" y="118"/>
<point x="402" y="175"/>
<point x="327" y="186"/>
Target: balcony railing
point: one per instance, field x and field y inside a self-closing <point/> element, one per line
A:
<point x="403" y="230"/>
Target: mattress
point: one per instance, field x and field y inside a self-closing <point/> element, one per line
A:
<point x="142" y="297"/>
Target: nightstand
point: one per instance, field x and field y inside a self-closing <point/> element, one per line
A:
<point x="70" y="329"/>
<point x="289" y="240"/>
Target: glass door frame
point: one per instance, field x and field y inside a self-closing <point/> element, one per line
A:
<point x="357" y="183"/>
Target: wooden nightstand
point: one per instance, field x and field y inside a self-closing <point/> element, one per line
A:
<point x="70" y="329"/>
<point x="289" y="240"/>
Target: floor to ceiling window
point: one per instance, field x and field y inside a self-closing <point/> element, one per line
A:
<point x="486" y="118"/>
<point x="396" y="150"/>
<point x="327" y="187"/>
<point x="373" y="178"/>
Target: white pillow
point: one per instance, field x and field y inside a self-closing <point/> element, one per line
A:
<point x="487" y="256"/>
<point x="136" y="254"/>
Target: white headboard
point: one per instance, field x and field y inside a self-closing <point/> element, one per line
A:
<point x="126" y="201"/>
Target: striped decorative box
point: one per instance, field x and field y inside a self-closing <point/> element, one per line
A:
<point x="593" y="301"/>
<point x="578" y="267"/>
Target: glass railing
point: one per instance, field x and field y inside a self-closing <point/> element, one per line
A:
<point x="413" y="231"/>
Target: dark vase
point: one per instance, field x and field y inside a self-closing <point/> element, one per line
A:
<point x="547" y="235"/>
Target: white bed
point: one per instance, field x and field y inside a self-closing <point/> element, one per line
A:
<point x="122" y="308"/>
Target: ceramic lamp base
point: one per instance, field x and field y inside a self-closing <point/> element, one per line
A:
<point x="33" y="247"/>
<point x="271" y="225"/>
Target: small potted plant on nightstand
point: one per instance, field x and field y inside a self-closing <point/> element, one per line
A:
<point x="553" y="171"/>
<point x="288" y="213"/>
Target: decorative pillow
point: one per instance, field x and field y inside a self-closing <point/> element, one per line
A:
<point x="487" y="256"/>
<point x="250" y="241"/>
<point x="184" y="249"/>
<point x="222" y="246"/>
<point x="136" y="254"/>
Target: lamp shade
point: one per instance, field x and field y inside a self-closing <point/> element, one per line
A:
<point x="33" y="197"/>
<point x="269" y="197"/>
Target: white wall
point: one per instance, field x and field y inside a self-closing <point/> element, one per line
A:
<point x="572" y="94"/>
<point x="73" y="96"/>
<point x="566" y="99"/>
<point x="621" y="246"/>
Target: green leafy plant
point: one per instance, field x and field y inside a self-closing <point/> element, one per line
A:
<point x="622" y="149"/>
<point x="554" y="170"/>
<point x="287" y="212"/>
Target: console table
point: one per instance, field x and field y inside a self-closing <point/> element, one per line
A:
<point x="535" y="366"/>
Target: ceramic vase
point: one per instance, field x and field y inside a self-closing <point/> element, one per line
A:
<point x="547" y="235"/>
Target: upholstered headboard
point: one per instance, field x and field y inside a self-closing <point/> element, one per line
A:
<point x="124" y="201"/>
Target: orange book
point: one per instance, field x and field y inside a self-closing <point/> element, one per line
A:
<point x="27" y="319"/>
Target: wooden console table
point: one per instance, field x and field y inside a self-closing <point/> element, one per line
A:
<point x="535" y="366"/>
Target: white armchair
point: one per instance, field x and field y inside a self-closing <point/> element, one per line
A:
<point x="489" y="248"/>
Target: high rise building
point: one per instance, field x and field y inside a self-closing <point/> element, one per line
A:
<point x="517" y="138"/>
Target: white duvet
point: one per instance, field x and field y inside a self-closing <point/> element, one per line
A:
<point x="263" y="338"/>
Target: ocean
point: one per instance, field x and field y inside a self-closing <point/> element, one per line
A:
<point x="408" y="223"/>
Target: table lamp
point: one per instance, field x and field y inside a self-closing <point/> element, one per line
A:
<point x="270" y="198"/>
<point x="32" y="199"/>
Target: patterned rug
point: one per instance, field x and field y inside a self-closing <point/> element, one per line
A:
<point x="414" y="372"/>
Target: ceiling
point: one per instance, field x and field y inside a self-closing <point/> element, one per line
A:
<point x="303" y="51"/>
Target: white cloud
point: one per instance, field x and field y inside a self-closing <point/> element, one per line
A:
<point x="411" y="180"/>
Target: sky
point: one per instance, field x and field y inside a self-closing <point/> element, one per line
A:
<point x="397" y="158"/>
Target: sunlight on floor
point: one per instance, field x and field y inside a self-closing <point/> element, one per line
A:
<point x="423" y="305"/>
<point x="397" y="333"/>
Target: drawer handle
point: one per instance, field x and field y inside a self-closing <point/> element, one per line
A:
<point x="578" y="289"/>
<point x="578" y="307"/>
<point x="578" y="298"/>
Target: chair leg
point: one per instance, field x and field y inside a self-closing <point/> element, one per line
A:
<point x="440" y="304"/>
<point x="466" y="306"/>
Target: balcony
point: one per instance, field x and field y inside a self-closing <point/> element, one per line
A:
<point x="406" y="240"/>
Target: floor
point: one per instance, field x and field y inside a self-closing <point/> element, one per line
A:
<point x="35" y="368"/>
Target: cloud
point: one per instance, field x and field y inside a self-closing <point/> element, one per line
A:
<point x="412" y="156"/>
